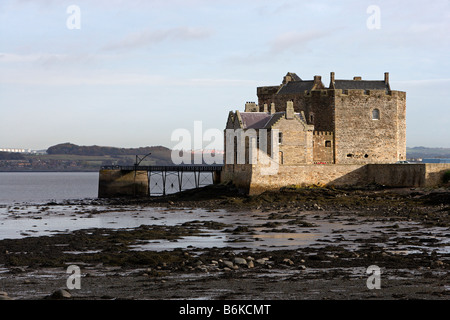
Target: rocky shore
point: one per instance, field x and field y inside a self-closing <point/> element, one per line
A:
<point x="407" y="240"/>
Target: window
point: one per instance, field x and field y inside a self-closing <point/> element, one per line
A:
<point x="328" y="144"/>
<point x="311" y="118"/>
<point x="375" y="114"/>
<point x="280" y="137"/>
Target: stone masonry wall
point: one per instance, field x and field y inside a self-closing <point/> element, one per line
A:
<point x="251" y="180"/>
<point x="323" y="147"/>
<point x="359" y="138"/>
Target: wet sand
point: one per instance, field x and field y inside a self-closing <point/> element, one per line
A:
<point x="214" y="243"/>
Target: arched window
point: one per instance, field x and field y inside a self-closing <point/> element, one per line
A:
<point x="375" y="114"/>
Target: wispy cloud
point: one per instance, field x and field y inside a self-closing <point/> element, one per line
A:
<point x="110" y="78"/>
<point x="150" y="37"/>
<point x="294" y="40"/>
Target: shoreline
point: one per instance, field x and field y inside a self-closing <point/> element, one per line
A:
<point x="408" y="241"/>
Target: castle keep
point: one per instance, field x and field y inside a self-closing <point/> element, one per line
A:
<point x="347" y="133"/>
<point x="349" y="122"/>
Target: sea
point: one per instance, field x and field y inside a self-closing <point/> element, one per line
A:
<point x="42" y="187"/>
<point x="47" y="203"/>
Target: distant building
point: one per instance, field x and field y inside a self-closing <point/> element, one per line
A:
<point x="435" y="160"/>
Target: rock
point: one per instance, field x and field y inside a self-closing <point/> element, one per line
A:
<point x="250" y="264"/>
<point x="198" y="263"/>
<point x="240" y="261"/>
<point x="61" y="294"/>
<point x="302" y="267"/>
<point x="228" y="264"/>
<point x="261" y="261"/>
<point x="288" y="261"/>
<point x="17" y="270"/>
<point x="4" y="296"/>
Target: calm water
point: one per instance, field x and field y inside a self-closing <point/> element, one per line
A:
<point x="39" y="187"/>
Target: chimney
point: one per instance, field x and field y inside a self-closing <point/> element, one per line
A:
<point x="251" y="107"/>
<point x="272" y="108"/>
<point x="289" y="110"/>
<point x="265" y="108"/>
<point x="331" y="80"/>
<point x="386" y="77"/>
<point x="357" y="78"/>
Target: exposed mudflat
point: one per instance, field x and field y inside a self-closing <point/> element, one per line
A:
<point x="213" y="243"/>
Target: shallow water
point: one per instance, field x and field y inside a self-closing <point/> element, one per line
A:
<point x="329" y="229"/>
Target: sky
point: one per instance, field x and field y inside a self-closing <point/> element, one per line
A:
<point x="131" y="73"/>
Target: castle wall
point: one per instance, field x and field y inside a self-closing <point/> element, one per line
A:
<point x="251" y="179"/>
<point x="304" y="175"/>
<point x="317" y="106"/>
<point x="296" y="145"/>
<point x="359" y="138"/>
<point x="323" y="147"/>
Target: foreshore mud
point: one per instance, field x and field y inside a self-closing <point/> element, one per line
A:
<point x="296" y="243"/>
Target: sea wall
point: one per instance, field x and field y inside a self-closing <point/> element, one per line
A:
<point x="252" y="180"/>
<point x="122" y="183"/>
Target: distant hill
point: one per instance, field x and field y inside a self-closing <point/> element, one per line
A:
<point x="424" y="152"/>
<point x="10" y="156"/>
<point x="159" y="155"/>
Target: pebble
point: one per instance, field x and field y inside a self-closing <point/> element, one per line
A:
<point x="240" y="261"/>
<point x="4" y="296"/>
<point x="261" y="261"/>
<point x="288" y="261"/>
<point x="61" y="294"/>
<point x="228" y="264"/>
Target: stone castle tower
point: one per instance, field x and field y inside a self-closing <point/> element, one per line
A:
<point x="349" y="122"/>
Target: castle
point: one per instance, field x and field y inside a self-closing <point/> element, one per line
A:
<point x="351" y="121"/>
<point x="349" y="133"/>
<point x="302" y="133"/>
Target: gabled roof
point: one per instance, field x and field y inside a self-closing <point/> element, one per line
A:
<point x="254" y="120"/>
<point x="294" y="76"/>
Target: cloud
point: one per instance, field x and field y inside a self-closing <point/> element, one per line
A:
<point x="294" y="40"/>
<point x="150" y="37"/>
<point x="107" y="77"/>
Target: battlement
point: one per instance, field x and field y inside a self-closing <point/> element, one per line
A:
<point x="361" y="92"/>
<point x="323" y="133"/>
<point x="267" y="90"/>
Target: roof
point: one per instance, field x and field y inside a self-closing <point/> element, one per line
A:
<point x="294" y="76"/>
<point x="262" y="120"/>
<point x="296" y="87"/>
<point x="254" y="120"/>
<point x="361" y="84"/>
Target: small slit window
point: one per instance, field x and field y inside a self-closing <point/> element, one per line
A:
<point x="280" y="137"/>
<point x="328" y="144"/>
<point x="375" y="114"/>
